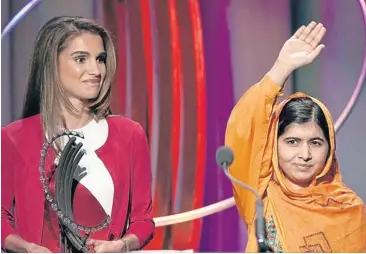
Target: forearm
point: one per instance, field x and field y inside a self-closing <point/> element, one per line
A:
<point x="16" y="243"/>
<point x="246" y="135"/>
<point x="141" y="224"/>
<point x="279" y="73"/>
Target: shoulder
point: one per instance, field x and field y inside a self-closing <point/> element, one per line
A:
<point x="125" y="126"/>
<point x="23" y="129"/>
<point x="18" y="136"/>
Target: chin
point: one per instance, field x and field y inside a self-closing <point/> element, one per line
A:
<point x="303" y="180"/>
<point x="92" y="96"/>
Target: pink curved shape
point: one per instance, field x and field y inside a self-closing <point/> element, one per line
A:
<point x="347" y="110"/>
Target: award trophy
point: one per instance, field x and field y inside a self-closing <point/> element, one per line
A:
<point x="67" y="172"/>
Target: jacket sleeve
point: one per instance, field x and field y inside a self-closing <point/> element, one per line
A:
<point x="247" y="135"/>
<point x="7" y="186"/>
<point x="141" y="220"/>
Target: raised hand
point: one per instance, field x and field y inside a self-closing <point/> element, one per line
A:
<point x="303" y="47"/>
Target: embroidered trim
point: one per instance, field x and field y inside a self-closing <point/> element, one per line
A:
<point x="334" y="203"/>
<point x="316" y="242"/>
<point x="273" y="239"/>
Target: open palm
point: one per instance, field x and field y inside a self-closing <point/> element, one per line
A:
<point x="303" y="47"/>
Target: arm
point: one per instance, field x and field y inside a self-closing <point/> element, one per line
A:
<point x="17" y="244"/>
<point x="249" y="125"/>
<point x="246" y="135"/>
<point x="9" y="238"/>
<point x="142" y="225"/>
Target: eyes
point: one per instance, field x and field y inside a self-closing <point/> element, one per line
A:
<point x="82" y="59"/>
<point x="296" y="142"/>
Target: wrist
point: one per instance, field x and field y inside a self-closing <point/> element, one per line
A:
<point x="283" y="67"/>
<point x="28" y="246"/>
<point x="124" y="245"/>
<point x="280" y="72"/>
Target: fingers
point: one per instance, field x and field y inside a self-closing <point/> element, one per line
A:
<point x="94" y="242"/>
<point x="100" y="248"/>
<point x="97" y="249"/>
<point x="307" y="31"/>
<point x="311" y="36"/>
<point x="98" y="242"/>
<point x="299" y="31"/>
<point x="315" y="53"/>
<point x="90" y="241"/>
<point x="318" y="37"/>
<point x="96" y="245"/>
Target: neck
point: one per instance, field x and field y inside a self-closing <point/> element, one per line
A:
<point x="79" y="118"/>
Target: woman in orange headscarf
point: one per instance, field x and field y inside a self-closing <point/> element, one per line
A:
<point x="287" y="153"/>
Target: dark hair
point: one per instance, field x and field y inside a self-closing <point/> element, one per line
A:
<point x="302" y="110"/>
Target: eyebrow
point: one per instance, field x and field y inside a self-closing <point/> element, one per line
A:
<point x="317" y="138"/>
<point x="85" y="53"/>
<point x="312" y="139"/>
<point x="80" y="53"/>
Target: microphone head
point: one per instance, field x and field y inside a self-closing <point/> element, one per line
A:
<point x="224" y="155"/>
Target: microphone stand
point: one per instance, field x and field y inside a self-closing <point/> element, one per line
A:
<point x="260" y="222"/>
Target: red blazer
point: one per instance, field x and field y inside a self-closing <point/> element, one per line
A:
<point x="125" y="154"/>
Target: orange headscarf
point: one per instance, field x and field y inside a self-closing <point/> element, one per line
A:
<point x="325" y="217"/>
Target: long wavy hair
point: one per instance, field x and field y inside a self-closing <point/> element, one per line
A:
<point x="44" y="95"/>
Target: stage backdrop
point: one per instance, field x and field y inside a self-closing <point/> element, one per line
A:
<point x="182" y="65"/>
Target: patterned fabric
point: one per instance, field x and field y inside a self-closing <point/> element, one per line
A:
<point x="273" y="239"/>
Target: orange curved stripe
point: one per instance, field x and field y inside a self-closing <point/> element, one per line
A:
<point x="201" y="116"/>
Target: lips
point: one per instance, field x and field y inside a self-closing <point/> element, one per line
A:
<point x="303" y="166"/>
<point x="95" y="81"/>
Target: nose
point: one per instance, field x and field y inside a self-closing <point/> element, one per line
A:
<point x="94" y="68"/>
<point x="305" y="152"/>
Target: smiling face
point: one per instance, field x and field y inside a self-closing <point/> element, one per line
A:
<point x="302" y="153"/>
<point x="82" y="67"/>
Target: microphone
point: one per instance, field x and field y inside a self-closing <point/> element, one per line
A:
<point x="224" y="158"/>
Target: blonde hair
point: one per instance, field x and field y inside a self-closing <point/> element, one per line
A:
<point x="44" y="94"/>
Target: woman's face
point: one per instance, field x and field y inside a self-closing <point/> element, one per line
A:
<point x="81" y="67"/>
<point x="302" y="153"/>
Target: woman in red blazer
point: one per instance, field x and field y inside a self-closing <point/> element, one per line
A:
<point x="69" y="86"/>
